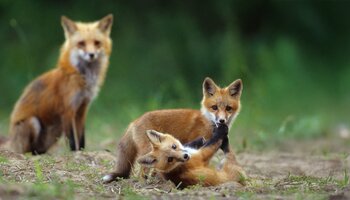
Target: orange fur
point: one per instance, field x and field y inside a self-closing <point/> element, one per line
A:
<point x="57" y="101"/>
<point x="184" y="124"/>
<point x="194" y="170"/>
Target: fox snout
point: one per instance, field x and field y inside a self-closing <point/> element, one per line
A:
<point x="92" y="56"/>
<point x="222" y="121"/>
<point x="186" y="156"/>
<point x="222" y="117"/>
<point x="88" y="55"/>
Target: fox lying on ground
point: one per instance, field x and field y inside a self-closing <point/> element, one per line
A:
<point x="185" y="166"/>
<point x="219" y="106"/>
<point x="58" y="100"/>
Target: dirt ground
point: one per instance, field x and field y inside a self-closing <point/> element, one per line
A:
<point x="274" y="175"/>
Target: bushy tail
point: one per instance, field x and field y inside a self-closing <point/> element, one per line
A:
<point x="125" y="158"/>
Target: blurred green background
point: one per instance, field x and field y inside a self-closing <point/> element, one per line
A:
<point x="293" y="58"/>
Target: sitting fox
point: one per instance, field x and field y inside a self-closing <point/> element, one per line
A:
<point x="219" y="106"/>
<point x="185" y="166"/>
<point x="57" y="101"/>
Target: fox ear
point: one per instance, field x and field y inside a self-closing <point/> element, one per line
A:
<point x="235" y="88"/>
<point x="69" y="26"/>
<point x="147" y="160"/>
<point x="209" y="87"/>
<point x="155" y="137"/>
<point x="105" y="24"/>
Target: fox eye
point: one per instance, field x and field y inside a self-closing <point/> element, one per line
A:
<point x="81" y="44"/>
<point x="173" y="146"/>
<point x="214" y="107"/>
<point x="97" y="43"/>
<point x="170" y="159"/>
<point x="228" y="108"/>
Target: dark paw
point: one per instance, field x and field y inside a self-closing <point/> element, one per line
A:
<point x="221" y="129"/>
<point x="225" y="147"/>
<point x="196" y="144"/>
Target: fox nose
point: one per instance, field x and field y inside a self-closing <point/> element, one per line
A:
<point x="91" y="55"/>
<point x="222" y="121"/>
<point x="186" y="156"/>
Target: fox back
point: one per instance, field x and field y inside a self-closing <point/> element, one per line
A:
<point x="218" y="106"/>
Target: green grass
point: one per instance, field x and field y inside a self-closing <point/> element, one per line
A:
<point x="38" y="172"/>
<point x="246" y="195"/>
<point x="130" y="194"/>
<point x="69" y="176"/>
<point x="298" y="187"/>
<point x="3" y="159"/>
<point x="52" y="191"/>
<point x="345" y="182"/>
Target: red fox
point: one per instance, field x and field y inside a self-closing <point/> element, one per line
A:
<point x="186" y="166"/>
<point x="219" y="106"/>
<point x="58" y="100"/>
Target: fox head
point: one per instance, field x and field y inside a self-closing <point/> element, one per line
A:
<point x="87" y="42"/>
<point x="221" y="105"/>
<point x="167" y="152"/>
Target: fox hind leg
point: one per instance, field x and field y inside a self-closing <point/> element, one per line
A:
<point x="125" y="158"/>
<point x="24" y="134"/>
<point x="48" y="136"/>
<point x="233" y="169"/>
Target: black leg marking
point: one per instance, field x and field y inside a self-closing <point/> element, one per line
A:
<point x="196" y="144"/>
<point x="225" y="145"/>
<point x="38" y="144"/>
<point x="220" y="133"/>
<point x="82" y="140"/>
<point x="71" y="140"/>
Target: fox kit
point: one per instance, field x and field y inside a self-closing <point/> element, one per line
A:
<point x="57" y="101"/>
<point x="185" y="166"/>
<point x="219" y="106"/>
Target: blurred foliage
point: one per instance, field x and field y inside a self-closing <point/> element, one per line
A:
<point x="292" y="56"/>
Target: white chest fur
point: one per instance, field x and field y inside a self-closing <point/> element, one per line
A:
<point x="90" y="72"/>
